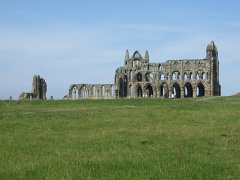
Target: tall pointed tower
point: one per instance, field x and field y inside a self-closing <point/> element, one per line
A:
<point x="212" y="57"/>
<point x="126" y="57"/>
<point x="146" y="58"/>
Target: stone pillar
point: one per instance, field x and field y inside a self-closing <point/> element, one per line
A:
<point x="182" y="91"/>
<point x="194" y="92"/>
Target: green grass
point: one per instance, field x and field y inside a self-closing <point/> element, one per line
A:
<point x="196" y="138"/>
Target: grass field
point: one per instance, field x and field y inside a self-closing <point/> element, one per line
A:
<point x="195" y="138"/>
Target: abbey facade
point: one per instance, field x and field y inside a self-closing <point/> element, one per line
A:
<point x="182" y="78"/>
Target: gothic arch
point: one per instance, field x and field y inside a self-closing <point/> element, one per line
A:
<point x="161" y="76"/>
<point x="149" y="90"/>
<point x="123" y="82"/>
<point x="188" y="90"/>
<point x="185" y="76"/>
<point x="139" y="77"/>
<point x="197" y="76"/>
<point x="159" y="67"/>
<point x="121" y="86"/>
<point x="177" y="90"/>
<point x="200" y="90"/>
<point x="176" y="75"/>
<point x="73" y="91"/>
<point x="203" y="75"/>
<point x="190" y="75"/>
<point x="84" y="92"/>
<point x="139" y="92"/>
<point x="163" y="90"/>
<point x="93" y="90"/>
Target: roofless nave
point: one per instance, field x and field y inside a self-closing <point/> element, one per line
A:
<point x="139" y="78"/>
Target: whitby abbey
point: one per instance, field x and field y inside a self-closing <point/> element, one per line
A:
<point x="138" y="78"/>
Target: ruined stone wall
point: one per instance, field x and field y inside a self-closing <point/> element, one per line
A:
<point x="90" y="91"/>
<point x="183" y="78"/>
<point x="39" y="89"/>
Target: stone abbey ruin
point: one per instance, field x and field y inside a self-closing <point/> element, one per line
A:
<point x="139" y="78"/>
<point x="39" y="89"/>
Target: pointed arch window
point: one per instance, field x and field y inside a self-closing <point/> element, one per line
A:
<point x="204" y="76"/>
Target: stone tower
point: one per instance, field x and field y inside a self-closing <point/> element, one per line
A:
<point x="212" y="57"/>
<point x="39" y="90"/>
<point x="39" y="87"/>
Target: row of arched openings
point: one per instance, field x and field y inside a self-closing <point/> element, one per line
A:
<point x="164" y="90"/>
<point x="149" y="77"/>
<point x="188" y="90"/>
<point x="83" y="93"/>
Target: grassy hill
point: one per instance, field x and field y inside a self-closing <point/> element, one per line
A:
<point x="195" y="138"/>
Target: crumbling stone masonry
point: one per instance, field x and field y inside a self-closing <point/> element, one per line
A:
<point x="138" y="78"/>
<point x="39" y="90"/>
<point x="91" y="91"/>
<point x="183" y="78"/>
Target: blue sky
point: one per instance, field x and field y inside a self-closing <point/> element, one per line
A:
<point x="68" y="42"/>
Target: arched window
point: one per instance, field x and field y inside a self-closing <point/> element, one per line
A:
<point x="174" y="76"/>
<point x="123" y="86"/>
<point x="191" y="76"/>
<point x="188" y="90"/>
<point x="103" y="90"/>
<point x="93" y="90"/>
<point x="136" y="55"/>
<point x="185" y="76"/>
<point x="139" y="91"/>
<point x="75" y="93"/>
<point x="177" y="90"/>
<point x="84" y="92"/>
<point x="139" y="77"/>
<point x="164" y="90"/>
<point x="204" y="76"/>
<point x="112" y="90"/>
<point x="138" y="65"/>
<point x="149" y="91"/>
<point x="197" y="76"/>
<point x="160" y="67"/>
<point x="162" y="77"/>
<point x="200" y="90"/>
